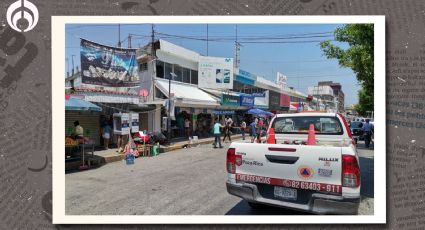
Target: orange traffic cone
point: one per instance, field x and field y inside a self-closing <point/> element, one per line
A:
<point x="311" y="139"/>
<point x="272" y="137"/>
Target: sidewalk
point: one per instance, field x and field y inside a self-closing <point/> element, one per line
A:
<point x="111" y="155"/>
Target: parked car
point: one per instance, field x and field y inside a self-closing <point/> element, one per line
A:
<point x="323" y="178"/>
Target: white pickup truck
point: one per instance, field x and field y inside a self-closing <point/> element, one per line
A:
<point x="323" y="178"/>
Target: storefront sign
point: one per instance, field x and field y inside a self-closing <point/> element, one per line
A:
<point x="245" y="77"/>
<point x="247" y="100"/>
<point x="274" y="100"/>
<point x="230" y="100"/>
<point x="263" y="94"/>
<point x="285" y="101"/>
<point x="223" y="112"/>
<point x="281" y="80"/>
<point x="215" y="72"/>
<point x="261" y="100"/>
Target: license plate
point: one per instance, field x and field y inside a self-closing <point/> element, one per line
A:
<point x="285" y="193"/>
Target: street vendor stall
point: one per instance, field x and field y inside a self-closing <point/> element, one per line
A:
<point x="77" y="140"/>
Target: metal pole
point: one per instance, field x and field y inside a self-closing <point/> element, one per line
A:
<point x="119" y="35"/>
<point x="169" y="110"/>
<point x="153" y="55"/>
<point x="67" y="67"/>
<point x="72" y="56"/>
<point x="129" y="40"/>
<point x="207" y="39"/>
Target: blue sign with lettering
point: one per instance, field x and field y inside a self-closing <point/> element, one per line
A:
<point x="263" y="94"/>
<point x="247" y="100"/>
<point x="230" y="100"/>
<point x="223" y="112"/>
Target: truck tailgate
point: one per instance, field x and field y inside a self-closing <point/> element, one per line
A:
<point x="305" y="167"/>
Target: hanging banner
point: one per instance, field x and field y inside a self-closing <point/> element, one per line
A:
<point x="173" y="110"/>
<point x="108" y="66"/>
<point x="215" y="72"/>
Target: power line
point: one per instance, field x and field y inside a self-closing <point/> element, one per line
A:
<point x="284" y="42"/>
<point x="287" y="61"/>
<point x="245" y="40"/>
<point x="317" y="76"/>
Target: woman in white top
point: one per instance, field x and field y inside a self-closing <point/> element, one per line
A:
<point x="187" y="127"/>
<point x="243" y="128"/>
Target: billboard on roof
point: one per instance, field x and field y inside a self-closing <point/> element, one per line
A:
<point x="215" y="72"/>
<point x="108" y="66"/>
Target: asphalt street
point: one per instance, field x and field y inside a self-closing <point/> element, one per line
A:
<point x="182" y="182"/>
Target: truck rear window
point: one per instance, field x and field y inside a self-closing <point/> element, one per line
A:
<point x="301" y="125"/>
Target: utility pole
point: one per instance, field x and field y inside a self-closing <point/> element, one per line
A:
<point x="72" y="57"/>
<point x="119" y="35"/>
<point x="129" y="41"/>
<point x="207" y="39"/>
<point x="67" y="67"/>
<point x="237" y="49"/>
<point x="153" y="54"/>
<point x="153" y="40"/>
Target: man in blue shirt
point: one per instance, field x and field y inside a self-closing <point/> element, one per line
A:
<point x="217" y="133"/>
<point x="367" y="130"/>
<point x="253" y="131"/>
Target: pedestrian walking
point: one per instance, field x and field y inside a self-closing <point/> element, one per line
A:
<point x="217" y="133"/>
<point x="367" y="132"/>
<point x="258" y="129"/>
<point x="253" y="132"/>
<point x="227" y="131"/>
<point x="187" y="127"/>
<point x="106" y="134"/>
<point x="243" y="127"/>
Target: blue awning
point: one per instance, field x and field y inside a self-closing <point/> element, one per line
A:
<point x="256" y="111"/>
<point x="78" y="104"/>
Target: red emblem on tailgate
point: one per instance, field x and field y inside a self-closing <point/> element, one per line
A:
<point x="305" y="172"/>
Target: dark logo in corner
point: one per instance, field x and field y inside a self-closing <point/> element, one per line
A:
<point x="19" y="12"/>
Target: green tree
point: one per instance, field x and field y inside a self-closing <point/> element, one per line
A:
<point x="365" y="102"/>
<point x="358" y="57"/>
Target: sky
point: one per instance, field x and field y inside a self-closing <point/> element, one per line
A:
<point x="292" y="49"/>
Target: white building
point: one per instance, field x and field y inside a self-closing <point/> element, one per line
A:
<point x="326" y="95"/>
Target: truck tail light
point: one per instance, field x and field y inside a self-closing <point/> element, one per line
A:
<point x="231" y="160"/>
<point x="350" y="171"/>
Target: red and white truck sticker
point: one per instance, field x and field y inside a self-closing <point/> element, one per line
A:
<point x="314" y="186"/>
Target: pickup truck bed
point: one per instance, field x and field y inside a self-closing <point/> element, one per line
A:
<point x="322" y="178"/>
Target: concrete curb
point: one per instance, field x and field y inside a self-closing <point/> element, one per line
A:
<point x="200" y="142"/>
<point x="113" y="158"/>
<point x="119" y="157"/>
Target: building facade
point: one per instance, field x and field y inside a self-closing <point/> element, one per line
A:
<point x="182" y="84"/>
<point x="338" y="93"/>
